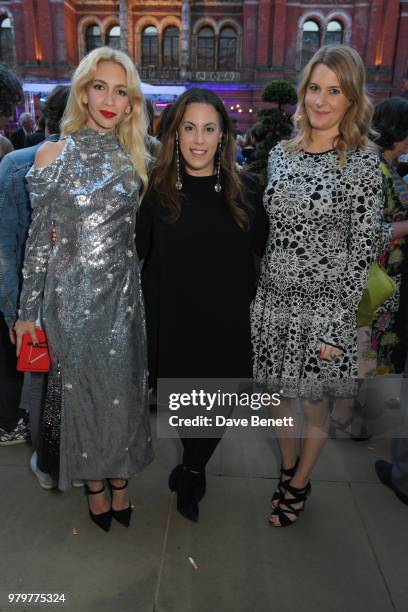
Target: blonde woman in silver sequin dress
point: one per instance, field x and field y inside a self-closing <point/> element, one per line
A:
<point x="87" y="186"/>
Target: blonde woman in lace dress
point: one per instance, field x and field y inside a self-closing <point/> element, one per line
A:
<point x="324" y="201"/>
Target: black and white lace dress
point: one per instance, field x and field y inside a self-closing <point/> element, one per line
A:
<point x="325" y="229"/>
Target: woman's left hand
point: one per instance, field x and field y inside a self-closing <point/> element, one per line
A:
<point x="329" y="352"/>
<point x="24" y="327"/>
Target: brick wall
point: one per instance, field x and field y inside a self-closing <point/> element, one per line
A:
<point x="47" y="45"/>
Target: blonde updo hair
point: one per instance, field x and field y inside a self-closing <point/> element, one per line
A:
<point x="132" y="130"/>
<point x="354" y="129"/>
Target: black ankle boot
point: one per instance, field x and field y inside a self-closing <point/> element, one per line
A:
<point x="175" y="476"/>
<point x="200" y="483"/>
<point x="187" y="503"/>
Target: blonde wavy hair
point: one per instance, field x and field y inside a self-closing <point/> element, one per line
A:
<point x="132" y="130"/>
<point x="354" y="129"/>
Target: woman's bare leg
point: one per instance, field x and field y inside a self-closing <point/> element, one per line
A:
<point x="120" y="499"/>
<point x="286" y="436"/>
<point x="314" y="436"/>
<point x="97" y="503"/>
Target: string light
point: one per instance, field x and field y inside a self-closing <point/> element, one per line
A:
<point x="237" y="108"/>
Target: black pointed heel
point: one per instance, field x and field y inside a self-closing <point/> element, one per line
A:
<point x="122" y="516"/>
<point x="280" y="491"/>
<point x="200" y="483"/>
<point x="104" y="519"/>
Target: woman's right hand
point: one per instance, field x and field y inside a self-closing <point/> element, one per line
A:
<point x="24" y="327"/>
<point x="328" y="352"/>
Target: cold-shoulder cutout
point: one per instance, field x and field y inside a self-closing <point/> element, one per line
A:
<point x="48" y="153"/>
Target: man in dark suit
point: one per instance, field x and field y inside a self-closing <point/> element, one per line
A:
<point x="18" y="138"/>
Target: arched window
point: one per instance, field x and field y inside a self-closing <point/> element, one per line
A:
<point x="227" y="55"/>
<point x="334" y="33"/>
<point x="206" y="49"/>
<point x="93" y="38"/>
<point x="310" y="40"/>
<point x="6" y="42"/>
<point x="171" y="48"/>
<point x="150" y="46"/>
<point x="113" y="38"/>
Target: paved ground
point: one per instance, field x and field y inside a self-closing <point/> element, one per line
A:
<point x="348" y="552"/>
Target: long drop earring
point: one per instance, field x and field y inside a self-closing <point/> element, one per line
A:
<point x="179" y="184"/>
<point x="217" y="185"/>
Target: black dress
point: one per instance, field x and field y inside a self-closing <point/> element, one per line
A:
<point x="198" y="279"/>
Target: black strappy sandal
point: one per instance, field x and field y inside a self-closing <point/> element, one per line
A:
<point x="280" y="491"/>
<point x="286" y="507"/>
<point x="122" y="516"/>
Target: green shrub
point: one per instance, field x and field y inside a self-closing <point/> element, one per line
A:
<point x="275" y="124"/>
<point x="280" y="93"/>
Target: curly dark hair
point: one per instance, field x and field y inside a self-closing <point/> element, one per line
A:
<point x="55" y="106"/>
<point x="11" y="92"/>
<point x="391" y="122"/>
<point x="164" y="174"/>
<point x="165" y="119"/>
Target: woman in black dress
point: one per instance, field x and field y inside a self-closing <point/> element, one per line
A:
<point x="198" y="230"/>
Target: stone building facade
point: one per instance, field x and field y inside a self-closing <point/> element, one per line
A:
<point x="231" y="46"/>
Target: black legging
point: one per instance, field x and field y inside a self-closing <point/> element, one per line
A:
<point x="198" y="451"/>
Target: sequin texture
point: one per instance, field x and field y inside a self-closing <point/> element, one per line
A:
<point x="90" y="284"/>
<point x="49" y="445"/>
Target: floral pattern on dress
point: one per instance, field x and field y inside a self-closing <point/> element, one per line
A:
<point x="325" y="225"/>
<point x="383" y="336"/>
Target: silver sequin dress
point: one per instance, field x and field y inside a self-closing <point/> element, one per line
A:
<point x="93" y="310"/>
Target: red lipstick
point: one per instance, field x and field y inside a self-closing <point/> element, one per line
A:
<point x="108" y="114"/>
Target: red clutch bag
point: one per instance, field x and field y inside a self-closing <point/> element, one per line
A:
<point x="34" y="358"/>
